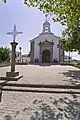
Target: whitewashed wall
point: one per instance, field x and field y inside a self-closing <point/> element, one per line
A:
<point x="49" y="37"/>
<point x="25" y="59"/>
<point x="55" y="48"/>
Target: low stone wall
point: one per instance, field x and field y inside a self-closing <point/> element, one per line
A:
<point x="66" y="64"/>
<point x="4" y="64"/>
<point x="8" y="64"/>
<point x="22" y="63"/>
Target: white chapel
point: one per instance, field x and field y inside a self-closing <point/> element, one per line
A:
<point x="45" y="48"/>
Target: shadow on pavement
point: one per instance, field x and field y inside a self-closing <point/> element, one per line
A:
<point x="62" y="108"/>
<point x="67" y="110"/>
<point x="74" y="76"/>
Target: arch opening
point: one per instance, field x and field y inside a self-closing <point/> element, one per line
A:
<point x="46" y="56"/>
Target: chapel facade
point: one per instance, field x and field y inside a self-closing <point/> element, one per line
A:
<point x="46" y="48"/>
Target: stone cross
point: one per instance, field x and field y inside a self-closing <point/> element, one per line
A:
<point x="14" y="33"/>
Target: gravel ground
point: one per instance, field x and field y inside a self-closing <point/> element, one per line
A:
<point x="38" y="106"/>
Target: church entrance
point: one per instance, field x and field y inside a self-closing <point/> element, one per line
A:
<point x="46" y="56"/>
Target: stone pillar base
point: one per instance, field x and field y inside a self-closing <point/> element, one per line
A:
<point x="12" y="74"/>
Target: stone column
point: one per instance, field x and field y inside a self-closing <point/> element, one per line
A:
<point x="20" y="54"/>
<point x="0" y="93"/>
<point x="13" y="61"/>
<point x="13" y="73"/>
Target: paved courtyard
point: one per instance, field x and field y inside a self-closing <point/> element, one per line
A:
<point x="38" y="106"/>
<point x="54" y="74"/>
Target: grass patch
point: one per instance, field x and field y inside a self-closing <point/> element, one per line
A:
<point x="76" y="64"/>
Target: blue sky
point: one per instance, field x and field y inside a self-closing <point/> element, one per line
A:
<point x="28" y="20"/>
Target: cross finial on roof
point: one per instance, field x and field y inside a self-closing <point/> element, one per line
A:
<point x="46" y="16"/>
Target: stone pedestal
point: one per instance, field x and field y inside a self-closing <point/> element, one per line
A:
<point x="13" y="75"/>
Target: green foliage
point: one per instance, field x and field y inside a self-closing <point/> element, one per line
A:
<point x="4" y="54"/>
<point x="67" y="45"/>
<point x="76" y="65"/>
<point x="4" y="1"/>
<point x="65" y="11"/>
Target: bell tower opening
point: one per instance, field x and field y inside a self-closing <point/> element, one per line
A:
<point x="46" y="27"/>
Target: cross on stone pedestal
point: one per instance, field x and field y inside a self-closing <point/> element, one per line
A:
<point x="13" y="75"/>
<point x="14" y="33"/>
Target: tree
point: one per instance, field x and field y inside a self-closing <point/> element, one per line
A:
<point x="4" y="54"/>
<point x="67" y="46"/>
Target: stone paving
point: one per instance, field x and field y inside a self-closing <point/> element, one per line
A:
<point x="54" y="74"/>
<point x="37" y="106"/>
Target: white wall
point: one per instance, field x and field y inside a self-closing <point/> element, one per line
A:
<point x="56" y="49"/>
<point x="25" y="59"/>
<point x="49" y="37"/>
<point x="17" y="56"/>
